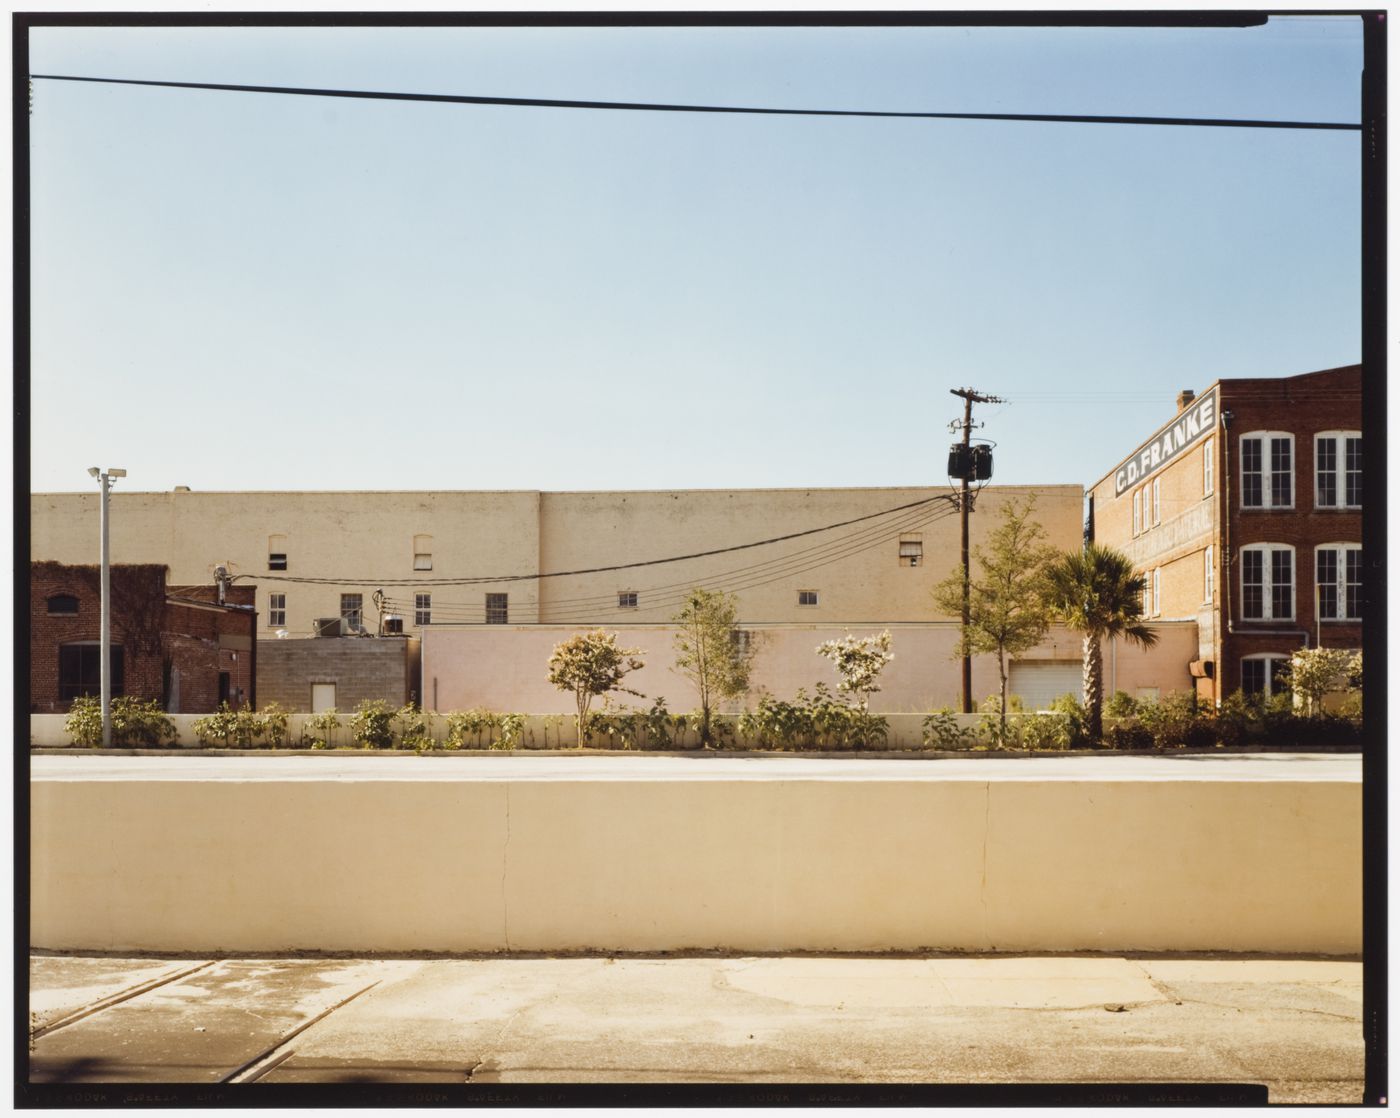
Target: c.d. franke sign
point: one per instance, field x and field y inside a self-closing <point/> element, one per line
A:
<point x="1189" y="428"/>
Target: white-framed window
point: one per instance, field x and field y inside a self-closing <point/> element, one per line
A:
<point x="1208" y="467"/>
<point x="1266" y="582"/>
<point x="277" y="610"/>
<point x="1146" y="603"/>
<point x="911" y="549"/>
<point x="626" y="599"/>
<point x="1338" y="459"/>
<point x="1266" y="470"/>
<point x="806" y="597"/>
<point x="422" y="609"/>
<point x="1339" y="582"/>
<point x="1157" y="592"/>
<point x="1156" y="501"/>
<point x="1261" y="674"/>
<point x="1208" y="592"/>
<point x="497" y="609"/>
<point x="352" y="609"/>
<point x="277" y="552"/>
<point x="1137" y="512"/>
<point x="422" y="553"/>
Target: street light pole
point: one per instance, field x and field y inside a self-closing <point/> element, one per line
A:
<point x="105" y="647"/>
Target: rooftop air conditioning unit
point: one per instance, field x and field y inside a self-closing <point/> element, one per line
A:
<point x="327" y="626"/>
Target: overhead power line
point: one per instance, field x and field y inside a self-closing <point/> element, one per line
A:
<point x="487" y="579"/>
<point x="659" y="107"/>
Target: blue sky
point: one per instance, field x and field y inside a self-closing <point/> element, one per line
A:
<point x="240" y="291"/>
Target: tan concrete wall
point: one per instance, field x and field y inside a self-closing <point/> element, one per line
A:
<point x="744" y="865"/>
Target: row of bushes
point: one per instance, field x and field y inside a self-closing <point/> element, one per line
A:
<point x="820" y="721"/>
<point x="1177" y="721"/>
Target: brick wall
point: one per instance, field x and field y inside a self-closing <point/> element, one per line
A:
<point x="361" y="668"/>
<point x="150" y="630"/>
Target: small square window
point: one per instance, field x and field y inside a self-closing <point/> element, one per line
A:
<point x="626" y="599"/>
<point x="497" y="609"/>
<point x="422" y="561"/>
<point x="63" y="604"/>
<point x="422" y="609"/>
<point x="277" y="610"/>
<point x="277" y="561"/>
<point x="352" y="609"/>
<point x="911" y="551"/>
<point x="806" y="597"/>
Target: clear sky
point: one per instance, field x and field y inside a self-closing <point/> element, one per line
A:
<point x="245" y="291"/>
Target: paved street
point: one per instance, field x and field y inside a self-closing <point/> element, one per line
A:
<point x="717" y="766"/>
<point x="1291" y="1024"/>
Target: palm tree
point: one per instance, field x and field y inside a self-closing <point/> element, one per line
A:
<point x="1095" y="592"/>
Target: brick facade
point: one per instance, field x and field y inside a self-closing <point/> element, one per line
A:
<point x="175" y="640"/>
<point x="1192" y="507"/>
<point x="360" y="668"/>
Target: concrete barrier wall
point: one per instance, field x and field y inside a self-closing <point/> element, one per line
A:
<point x="647" y="865"/>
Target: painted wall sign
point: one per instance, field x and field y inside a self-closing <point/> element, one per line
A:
<point x="1189" y="428"/>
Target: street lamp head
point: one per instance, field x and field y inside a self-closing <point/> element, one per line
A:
<point x="93" y="471"/>
<point x="112" y="471"/>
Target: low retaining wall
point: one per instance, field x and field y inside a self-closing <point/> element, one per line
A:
<point x="454" y="863"/>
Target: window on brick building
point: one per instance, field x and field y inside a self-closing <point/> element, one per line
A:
<point x="1338" y="470"/>
<point x="352" y="607"/>
<point x="1266" y="582"/>
<point x="61" y="605"/>
<point x="277" y="553"/>
<point x="1208" y="467"/>
<point x="1339" y="582"/>
<point x="911" y="549"/>
<point x="1266" y="470"/>
<point x="806" y="597"/>
<point x="497" y="609"/>
<point x="277" y="610"/>
<point x="1157" y="592"/>
<point x="422" y="553"/>
<point x="1208" y="594"/>
<point x="1262" y="675"/>
<point x="1156" y="501"/>
<point x="1137" y="512"/>
<point x="422" y="609"/>
<point x="80" y="670"/>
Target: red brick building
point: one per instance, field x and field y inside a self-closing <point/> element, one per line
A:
<point x="1244" y="514"/>
<point x="174" y="644"/>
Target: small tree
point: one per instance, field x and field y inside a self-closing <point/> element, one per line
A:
<point x="1313" y="672"/>
<point x="860" y="660"/>
<point x="1095" y="592"/>
<point x="1007" y="613"/>
<point x="592" y="664"/>
<point x="708" y="652"/>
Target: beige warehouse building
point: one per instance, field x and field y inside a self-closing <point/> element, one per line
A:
<point x="492" y="575"/>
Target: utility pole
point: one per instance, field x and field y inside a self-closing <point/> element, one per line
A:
<point x="969" y="396"/>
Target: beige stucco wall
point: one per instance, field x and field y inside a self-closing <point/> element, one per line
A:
<point x="744" y="865"/>
<point x="505" y="668"/>
<point x="369" y="537"/>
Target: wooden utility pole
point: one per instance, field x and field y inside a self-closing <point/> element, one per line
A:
<point x="969" y="396"/>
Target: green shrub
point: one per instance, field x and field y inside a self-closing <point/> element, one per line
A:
<point x="1120" y="705"/>
<point x="511" y="731"/>
<point x="1177" y="720"/>
<point x="411" y="726"/>
<point x="275" y="719"/>
<point x="223" y="728"/>
<point x="1073" y="732"/>
<point x="1127" y="735"/>
<point x="84" y="721"/>
<point x="466" y="729"/>
<point x="990" y="724"/>
<point x="372" y="724"/>
<point x="942" y="730"/>
<point x="318" y="731"/>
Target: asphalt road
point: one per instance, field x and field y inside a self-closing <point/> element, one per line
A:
<point x="719" y="766"/>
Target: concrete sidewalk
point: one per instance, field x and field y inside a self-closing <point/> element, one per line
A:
<point x="1291" y="1024"/>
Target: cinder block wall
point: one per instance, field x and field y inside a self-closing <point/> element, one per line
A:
<point x="360" y="668"/>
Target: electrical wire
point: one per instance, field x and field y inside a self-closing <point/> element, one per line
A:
<point x="642" y="106"/>
<point x="483" y="579"/>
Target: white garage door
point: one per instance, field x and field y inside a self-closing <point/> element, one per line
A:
<point x="1038" y="682"/>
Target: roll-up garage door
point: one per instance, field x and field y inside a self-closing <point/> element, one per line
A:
<point x="1039" y="682"/>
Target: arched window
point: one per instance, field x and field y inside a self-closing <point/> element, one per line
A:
<point x="1339" y="582"/>
<point x="1338" y="469"/>
<point x="62" y="605"/>
<point x="1266" y="470"/>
